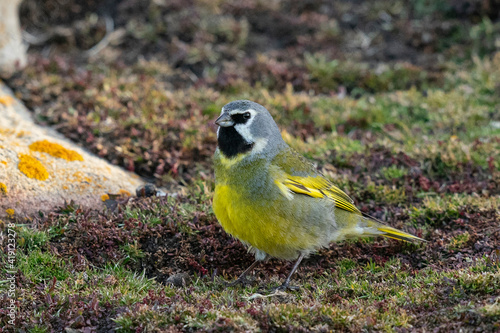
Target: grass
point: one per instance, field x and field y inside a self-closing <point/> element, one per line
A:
<point x="372" y="284"/>
<point x="331" y="297"/>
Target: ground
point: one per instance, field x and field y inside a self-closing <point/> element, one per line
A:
<point x="396" y="102"/>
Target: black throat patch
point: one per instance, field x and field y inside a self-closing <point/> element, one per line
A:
<point x="231" y="143"/>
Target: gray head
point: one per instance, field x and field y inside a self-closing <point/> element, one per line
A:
<point x="246" y="126"/>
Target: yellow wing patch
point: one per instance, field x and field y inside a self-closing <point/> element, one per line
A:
<point x="285" y="190"/>
<point x="319" y="187"/>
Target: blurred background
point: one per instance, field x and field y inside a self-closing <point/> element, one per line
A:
<point x="139" y="82"/>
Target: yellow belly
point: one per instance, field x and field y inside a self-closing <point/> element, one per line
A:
<point x="267" y="226"/>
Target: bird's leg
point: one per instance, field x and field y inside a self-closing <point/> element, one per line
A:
<point x="286" y="284"/>
<point x="242" y="278"/>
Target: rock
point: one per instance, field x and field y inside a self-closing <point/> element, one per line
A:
<point x="12" y="49"/>
<point x="71" y="330"/>
<point x="40" y="170"/>
<point x="179" y="279"/>
<point x="146" y="190"/>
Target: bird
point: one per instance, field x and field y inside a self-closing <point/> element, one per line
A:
<point x="275" y="201"/>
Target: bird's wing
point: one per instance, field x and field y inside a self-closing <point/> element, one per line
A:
<point x="319" y="187"/>
<point x="293" y="174"/>
<point x="299" y="176"/>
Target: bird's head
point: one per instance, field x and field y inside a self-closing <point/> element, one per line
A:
<point x="246" y="127"/>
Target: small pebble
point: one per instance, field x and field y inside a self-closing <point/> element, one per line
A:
<point x="179" y="279"/>
<point x="146" y="190"/>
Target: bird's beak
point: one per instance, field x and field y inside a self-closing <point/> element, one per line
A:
<point x="224" y="120"/>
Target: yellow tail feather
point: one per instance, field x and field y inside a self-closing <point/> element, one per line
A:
<point x="391" y="232"/>
<point x="398" y="234"/>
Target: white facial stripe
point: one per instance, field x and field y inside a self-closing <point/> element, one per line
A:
<point x="236" y="111"/>
<point x="244" y="132"/>
<point x="244" y="129"/>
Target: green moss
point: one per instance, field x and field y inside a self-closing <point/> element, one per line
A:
<point x="384" y="193"/>
<point x="359" y="77"/>
<point x="38" y="329"/>
<point x="459" y="241"/>
<point x="133" y="251"/>
<point x="393" y="172"/>
<point x="484" y="282"/>
<point x="116" y="279"/>
<point x="30" y="239"/>
<point x="41" y="267"/>
<point x="436" y="210"/>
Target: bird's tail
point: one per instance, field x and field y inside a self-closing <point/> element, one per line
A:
<point x="351" y="225"/>
<point x="387" y="231"/>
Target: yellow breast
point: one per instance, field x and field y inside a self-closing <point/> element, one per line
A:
<point x="261" y="225"/>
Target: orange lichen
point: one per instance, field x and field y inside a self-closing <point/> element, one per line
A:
<point x="7" y="131"/>
<point x="124" y="193"/>
<point x="104" y="197"/>
<point x="22" y="133"/>
<point x="65" y="187"/>
<point x="6" y="100"/>
<point x="32" y="167"/>
<point x="80" y="177"/>
<point x="10" y="212"/>
<point x="56" y="150"/>
<point x="3" y="162"/>
<point x="3" y="189"/>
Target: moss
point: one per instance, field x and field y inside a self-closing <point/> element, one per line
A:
<point x="3" y="189"/>
<point x="31" y="239"/>
<point x="331" y="74"/>
<point x="56" y="150"/>
<point x="459" y="241"/>
<point x="385" y="193"/>
<point x="492" y="309"/>
<point x="393" y="172"/>
<point x="32" y="167"/>
<point x="41" y="266"/>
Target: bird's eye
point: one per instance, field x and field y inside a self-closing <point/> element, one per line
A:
<point x="246" y="115"/>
